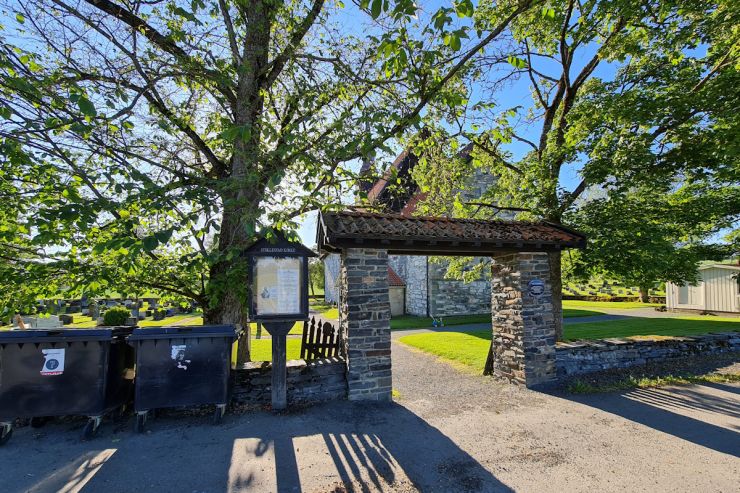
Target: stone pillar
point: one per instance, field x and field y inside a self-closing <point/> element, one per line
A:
<point x="523" y="319"/>
<point x="365" y="313"/>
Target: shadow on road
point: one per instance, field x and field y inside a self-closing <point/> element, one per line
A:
<point x="684" y="412"/>
<point x="341" y="446"/>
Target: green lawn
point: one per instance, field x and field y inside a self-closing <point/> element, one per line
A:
<point x="179" y="319"/>
<point x="262" y="349"/>
<point x="297" y="329"/>
<point x="471" y="348"/>
<point x="405" y="322"/>
<point x="466" y="348"/>
<point x="332" y="313"/>
<point x="614" y="305"/>
<point x="674" y="326"/>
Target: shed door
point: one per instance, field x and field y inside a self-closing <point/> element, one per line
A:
<point x="690" y="295"/>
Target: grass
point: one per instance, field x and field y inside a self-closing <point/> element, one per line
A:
<point x="614" y="305"/>
<point x="262" y="349"/>
<point x="406" y="322"/>
<point x="631" y="382"/>
<point x="674" y="326"/>
<point x="466" y="348"/>
<point x="330" y="313"/>
<point x="179" y="319"/>
<point x="297" y="329"/>
<point x="471" y="348"/>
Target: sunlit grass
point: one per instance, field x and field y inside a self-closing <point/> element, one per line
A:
<point x="614" y="305"/>
<point x="471" y="348"/>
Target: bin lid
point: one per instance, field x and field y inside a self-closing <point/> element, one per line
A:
<point x="183" y="332"/>
<point x="54" y="335"/>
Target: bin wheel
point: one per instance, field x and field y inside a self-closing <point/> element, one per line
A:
<point x="7" y="432"/>
<point x="39" y="421"/>
<point x="140" y="423"/>
<point x="91" y="429"/>
<point x="218" y="414"/>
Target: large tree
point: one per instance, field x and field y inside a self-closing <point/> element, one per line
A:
<point x="645" y="236"/>
<point x="622" y="93"/>
<point x="154" y="139"/>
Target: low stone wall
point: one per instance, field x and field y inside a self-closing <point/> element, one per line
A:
<point x="581" y="357"/>
<point x="312" y="381"/>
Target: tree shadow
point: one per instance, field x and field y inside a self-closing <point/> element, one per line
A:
<point x="338" y="446"/>
<point x="373" y="447"/>
<point x="666" y="409"/>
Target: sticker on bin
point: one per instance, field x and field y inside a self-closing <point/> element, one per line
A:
<point x="178" y="354"/>
<point x="53" y="361"/>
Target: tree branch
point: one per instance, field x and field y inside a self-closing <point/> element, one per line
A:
<point x="276" y="66"/>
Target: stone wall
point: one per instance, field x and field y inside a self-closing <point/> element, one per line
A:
<point x="523" y="323"/>
<point x="313" y="381"/>
<point x="413" y="270"/>
<point x="331" y="278"/>
<point x="365" y="323"/>
<point x="581" y="357"/>
<point x="455" y="297"/>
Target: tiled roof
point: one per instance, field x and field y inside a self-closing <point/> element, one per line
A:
<point x="358" y="229"/>
<point x="393" y="278"/>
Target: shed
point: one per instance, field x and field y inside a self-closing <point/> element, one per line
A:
<point x="718" y="290"/>
<point x="396" y="293"/>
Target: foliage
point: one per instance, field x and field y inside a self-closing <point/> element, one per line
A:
<point x="315" y="274"/>
<point x="627" y="95"/>
<point x="116" y="315"/>
<point x="145" y="145"/>
<point x="646" y="235"/>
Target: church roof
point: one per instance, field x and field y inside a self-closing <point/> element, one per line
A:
<point x="440" y="235"/>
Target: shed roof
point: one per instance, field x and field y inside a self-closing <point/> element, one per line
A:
<point x="393" y="278"/>
<point x="440" y="235"/>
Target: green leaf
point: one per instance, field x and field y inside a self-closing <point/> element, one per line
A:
<point x="376" y="8"/>
<point x="150" y="243"/>
<point x="548" y="12"/>
<point x="163" y="236"/>
<point x="517" y="62"/>
<point x="86" y="107"/>
<point x="19" y="17"/>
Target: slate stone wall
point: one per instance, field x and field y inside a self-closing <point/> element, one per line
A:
<point x="582" y="357"/>
<point x="313" y="381"/>
<point x="413" y="270"/>
<point x="364" y="320"/>
<point x="455" y="297"/>
<point x="523" y="324"/>
<point x="331" y="278"/>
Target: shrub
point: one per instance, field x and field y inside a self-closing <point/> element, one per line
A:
<point x="116" y="315"/>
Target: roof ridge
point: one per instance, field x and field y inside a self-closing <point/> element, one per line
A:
<point x="388" y="215"/>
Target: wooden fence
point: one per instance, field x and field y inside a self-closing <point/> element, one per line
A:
<point x="320" y="340"/>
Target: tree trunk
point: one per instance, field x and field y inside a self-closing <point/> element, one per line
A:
<point x="644" y="294"/>
<point x="556" y="282"/>
<point x="242" y="187"/>
<point x="228" y="283"/>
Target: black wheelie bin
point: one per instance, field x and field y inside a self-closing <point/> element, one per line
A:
<point x="181" y="366"/>
<point x="64" y="372"/>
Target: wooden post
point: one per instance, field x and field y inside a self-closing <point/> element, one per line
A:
<point x="279" y="331"/>
<point x="279" y="373"/>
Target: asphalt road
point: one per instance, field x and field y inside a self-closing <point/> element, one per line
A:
<point x="447" y="431"/>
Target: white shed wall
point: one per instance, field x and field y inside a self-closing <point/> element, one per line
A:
<point x="717" y="291"/>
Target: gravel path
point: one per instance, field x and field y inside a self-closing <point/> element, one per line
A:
<point x="447" y="432"/>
